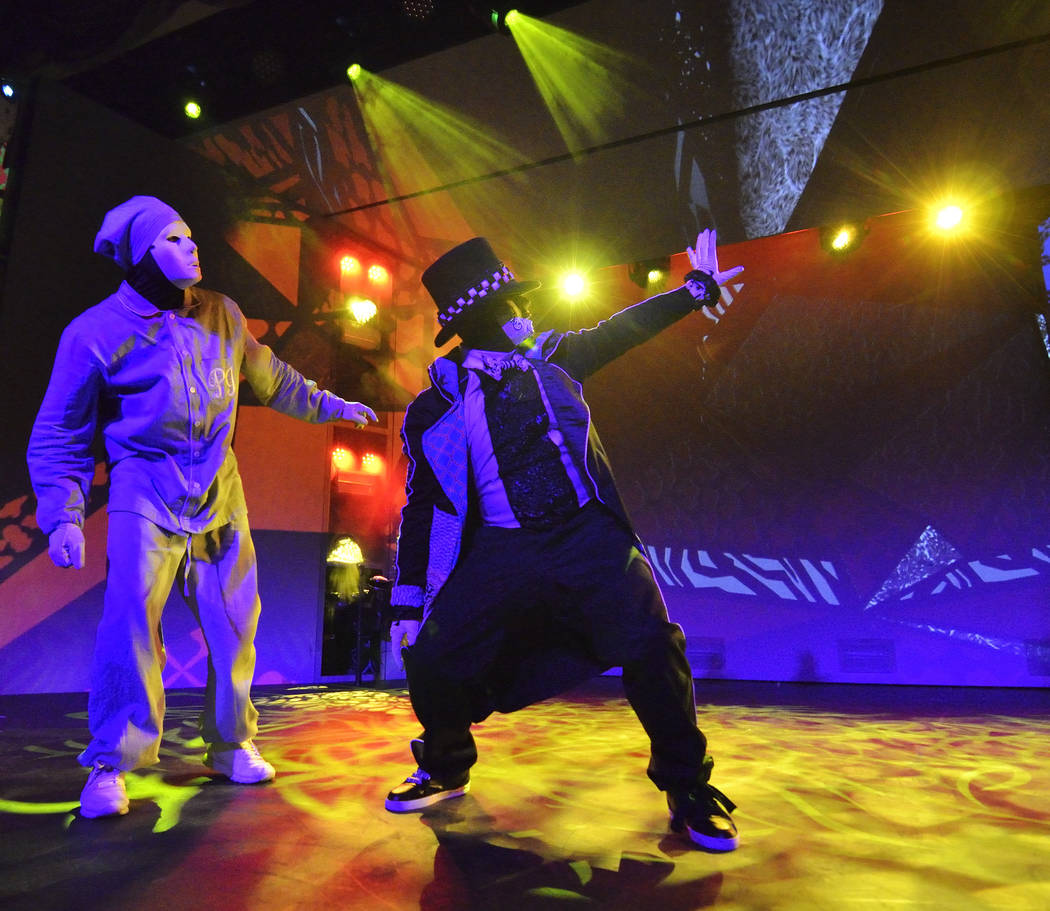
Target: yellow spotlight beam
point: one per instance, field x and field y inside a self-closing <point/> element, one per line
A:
<point x="420" y="142"/>
<point x="583" y="83"/>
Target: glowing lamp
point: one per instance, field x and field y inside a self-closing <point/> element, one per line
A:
<point x="371" y="463"/>
<point x="361" y="309"/>
<point x="353" y="71"/>
<point x="842" y="239"/>
<point x="654" y="276"/>
<point x="573" y="284"/>
<point x="192" y="110"/>
<point x="501" y="20"/>
<point x="346" y="551"/>
<point x="342" y="459"/>
<point x="8" y="90"/>
<point x="348" y="265"/>
<point x="378" y="274"/>
<point x="948" y="218"/>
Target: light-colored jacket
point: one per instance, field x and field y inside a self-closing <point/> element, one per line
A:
<point x="162" y="387"/>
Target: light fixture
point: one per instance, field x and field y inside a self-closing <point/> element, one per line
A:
<point x="948" y="217"/>
<point x="840" y="238"/>
<point x="501" y="20"/>
<point x="373" y="463"/>
<point x="342" y="459"/>
<point x="192" y="109"/>
<point x="573" y="284"/>
<point x="362" y="309"/>
<point x="345" y="552"/>
<point x="650" y="274"/>
<point x="353" y="72"/>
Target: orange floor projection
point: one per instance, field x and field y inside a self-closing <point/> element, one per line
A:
<point x="849" y="797"/>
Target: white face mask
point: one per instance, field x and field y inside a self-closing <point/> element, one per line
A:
<point x="517" y="329"/>
<point x="176" y="254"/>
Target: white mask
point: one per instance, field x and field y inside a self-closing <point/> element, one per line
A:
<point x="175" y="252"/>
<point x="517" y="329"/>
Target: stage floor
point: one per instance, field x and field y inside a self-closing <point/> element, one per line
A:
<point x="850" y="797"/>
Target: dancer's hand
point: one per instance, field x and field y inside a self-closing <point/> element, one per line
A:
<point x="705" y="257"/>
<point x="359" y="414"/>
<point x="402" y="634"/>
<point x="65" y="546"/>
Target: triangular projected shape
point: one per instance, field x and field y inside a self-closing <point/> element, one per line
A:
<point x="273" y="251"/>
<point x="777" y="149"/>
<point x="930" y="554"/>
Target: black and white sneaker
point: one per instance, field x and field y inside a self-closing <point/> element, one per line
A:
<point x="419" y="790"/>
<point x="703" y="814"/>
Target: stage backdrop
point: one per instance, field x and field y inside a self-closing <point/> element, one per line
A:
<point x="843" y="473"/>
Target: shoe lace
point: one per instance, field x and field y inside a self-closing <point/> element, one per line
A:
<point x="101" y="770"/>
<point x="418" y="777"/>
<point x="715" y="795"/>
<point x="251" y="749"/>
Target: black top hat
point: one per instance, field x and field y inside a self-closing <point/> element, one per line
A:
<point x="466" y="276"/>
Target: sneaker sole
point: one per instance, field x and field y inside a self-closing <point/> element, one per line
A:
<point x="87" y="814"/>
<point x="242" y="780"/>
<point x="421" y="803"/>
<point x="236" y="780"/>
<point x="718" y="845"/>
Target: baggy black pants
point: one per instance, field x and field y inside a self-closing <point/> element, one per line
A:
<point x="527" y="614"/>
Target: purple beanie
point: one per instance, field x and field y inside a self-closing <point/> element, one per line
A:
<point x="128" y="231"/>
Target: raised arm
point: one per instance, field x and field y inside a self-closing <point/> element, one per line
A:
<point x="584" y="352"/>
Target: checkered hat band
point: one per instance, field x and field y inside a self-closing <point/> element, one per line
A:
<point x="499" y="278"/>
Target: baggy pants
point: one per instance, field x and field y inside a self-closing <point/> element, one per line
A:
<point x="584" y="590"/>
<point x="216" y="572"/>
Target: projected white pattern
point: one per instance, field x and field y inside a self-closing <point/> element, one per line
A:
<point x="819" y="581"/>
<point x="783" y="48"/>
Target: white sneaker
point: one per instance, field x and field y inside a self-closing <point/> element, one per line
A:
<point x="241" y="763"/>
<point x="104" y="794"/>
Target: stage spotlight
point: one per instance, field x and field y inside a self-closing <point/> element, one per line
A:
<point x="8" y="90"/>
<point x="573" y="284"/>
<point x="349" y="265"/>
<point x="342" y="459"/>
<point x="650" y="273"/>
<point x="948" y="218"/>
<point x="501" y="20"/>
<point x="371" y="463"/>
<point x="361" y="309"/>
<point x="841" y="238"/>
<point x="377" y="274"/>
<point x="353" y="72"/>
<point x="346" y="551"/>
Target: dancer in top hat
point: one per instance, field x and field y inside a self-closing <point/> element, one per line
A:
<point x="515" y="551"/>
<point x="156" y="366"/>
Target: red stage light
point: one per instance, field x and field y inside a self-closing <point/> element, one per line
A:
<point x="342" y="459"/>
<point x="371" y="463"/>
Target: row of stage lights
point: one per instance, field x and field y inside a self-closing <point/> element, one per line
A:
<point x="361" y="285"/>
<point x="945" y="219"/>
<point x="839" y="240"/>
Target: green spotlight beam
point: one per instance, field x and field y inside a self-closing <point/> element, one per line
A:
<point x="420" y="142"/>
<point x="581" y="81"/>
<point x="702" y="122"/>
